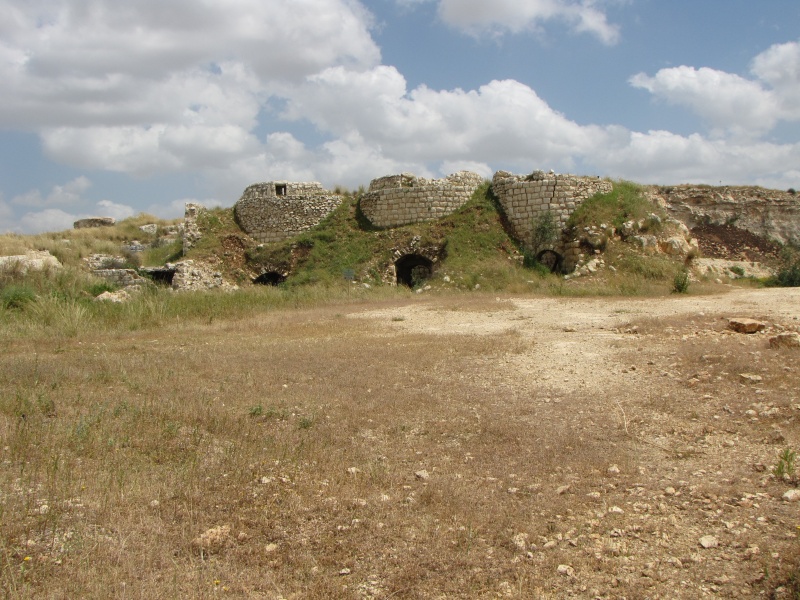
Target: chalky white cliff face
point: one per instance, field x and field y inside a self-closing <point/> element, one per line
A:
<point x="771" y="214"/>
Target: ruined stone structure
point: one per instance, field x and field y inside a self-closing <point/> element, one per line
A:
<point x="525" y="197"/>
<point x="278" y="210"/>
<point x="403" y="199"/>
<point x="94" y="222"/>
<point x="766" y="213"/>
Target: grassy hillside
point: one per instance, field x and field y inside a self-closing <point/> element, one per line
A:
<point x="342" y="259"/>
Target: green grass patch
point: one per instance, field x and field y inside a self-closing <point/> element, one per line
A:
<point x="625" y="202"/>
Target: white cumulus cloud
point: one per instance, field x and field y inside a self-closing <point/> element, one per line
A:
<point x="49" y="219"/>
<point x="69" y="193"/>
<point x="478" y="17"/>
<point x="730" y="103"/>
<point x="164" y="85"/>
<point x="502" y="121"/>
<point x="107" y="208"/>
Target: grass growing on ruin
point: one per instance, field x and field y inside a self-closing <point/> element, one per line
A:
<point x="625" y="202"/>
<point x="476" y="248"/>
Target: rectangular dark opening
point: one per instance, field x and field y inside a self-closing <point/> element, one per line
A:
<point x="280" y="189"/>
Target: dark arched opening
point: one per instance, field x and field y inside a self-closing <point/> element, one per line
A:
<point x="270" y="278"/>
<point x="550" y="259"/>
<point x="413" y="269"/>
<point x="161" y="275"/>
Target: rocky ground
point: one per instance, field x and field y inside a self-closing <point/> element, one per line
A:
<point x="695" y="416"/>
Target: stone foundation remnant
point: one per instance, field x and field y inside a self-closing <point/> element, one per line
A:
<point x="278" y="210"/>
<point x="396" y="200"/>
<point x="94" y="222"/>
<point x="523" y="198"/>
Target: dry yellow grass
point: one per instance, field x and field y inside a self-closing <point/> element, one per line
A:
<point x="325" y="456"/>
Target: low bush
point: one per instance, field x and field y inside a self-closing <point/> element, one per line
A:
<point x="680" y="284"/>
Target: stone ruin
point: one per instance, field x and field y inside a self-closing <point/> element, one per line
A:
<point x="397" y="200"/>
<point x="278" y="210"/>
<point x="525" y="197"/>
<point x="94" y="222"/>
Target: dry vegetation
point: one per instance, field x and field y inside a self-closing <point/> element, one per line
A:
<point x="450" y="447"/>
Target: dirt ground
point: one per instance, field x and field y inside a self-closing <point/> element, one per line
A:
<point x="693" y="414"/>
<point x="424" y="447"/>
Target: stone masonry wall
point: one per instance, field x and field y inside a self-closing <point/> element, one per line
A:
<point x="275" y="211"/>
<point x="523" y="197"/>
<point x="403" y="199"/>
<point x="767" y="213"/>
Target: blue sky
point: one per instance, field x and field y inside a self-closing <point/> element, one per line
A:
<point x="112" y="109"/>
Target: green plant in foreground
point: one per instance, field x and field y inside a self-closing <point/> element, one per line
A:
<point x="785" y="467"/>
<point x="16" y="296"/>
<point x="680" y="285"/>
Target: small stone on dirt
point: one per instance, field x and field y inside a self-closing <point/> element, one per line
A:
<point x="423" y="475"/>
<point x="792" y="496"/>
<point x="709" y="541"/>
<point x="566" y="570"/>
<point x="750" y="378"/>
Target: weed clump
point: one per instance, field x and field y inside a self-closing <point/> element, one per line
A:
<point x="784" y="468"/>
<point x="680" y="284"/>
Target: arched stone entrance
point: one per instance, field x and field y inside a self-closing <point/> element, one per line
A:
<point x="270" y="278"/>
<point x="551" y="259"/>
<point x="413" y="269"/>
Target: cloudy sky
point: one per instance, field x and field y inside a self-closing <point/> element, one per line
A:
<point x="112" y="108"/>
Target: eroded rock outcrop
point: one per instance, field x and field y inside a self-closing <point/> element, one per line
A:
<point x="30" y="261"/>
<point x="771" y="214"/>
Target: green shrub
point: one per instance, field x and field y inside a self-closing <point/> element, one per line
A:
<point x="680" y="284"/>
<point x="785" y="466"/>
<point x="789" y="273"/>
<point x="737" y="270"/>
<point x="789" y="276"/>
<point x="16" y="296"/>
<point x="545" y="231"/>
